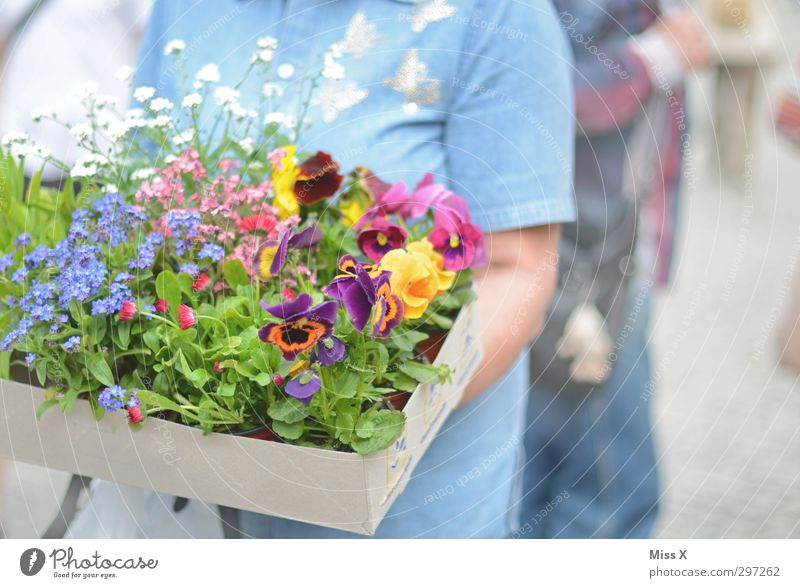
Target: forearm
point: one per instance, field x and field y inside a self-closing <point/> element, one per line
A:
<point x="513" y="295"/>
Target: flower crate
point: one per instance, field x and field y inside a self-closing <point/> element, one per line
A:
<point x="330" y="488"/>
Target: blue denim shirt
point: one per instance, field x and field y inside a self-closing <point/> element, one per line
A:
<point x="499" y="133"/>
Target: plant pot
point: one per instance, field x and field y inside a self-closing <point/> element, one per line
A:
<point x="262" y="432"/>
<point x="431" y="346"/>
<point x="397" y="400"/>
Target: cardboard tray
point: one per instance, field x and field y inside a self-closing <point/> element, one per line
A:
<point x="329" y="488"/>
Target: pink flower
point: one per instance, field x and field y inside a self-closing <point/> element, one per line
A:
<point x="288" y="294"/>
<point x="201" y="282"/>
<point x="135" y="415"/>
<point x="128" y="311"/>
<point x="257" y="222"/>
<point x="186" y="317"/>
<point x="218" y="367"/>
<point x="161" y="306"/>
<point x="459" y="241"/>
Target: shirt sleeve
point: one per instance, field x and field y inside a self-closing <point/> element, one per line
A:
<point x="510" y="128"/>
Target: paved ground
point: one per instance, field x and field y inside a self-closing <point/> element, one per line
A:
<point x="728" y="416"/>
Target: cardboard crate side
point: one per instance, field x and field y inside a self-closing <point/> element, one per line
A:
<point x="319" y="486"/>
<point x="389" y="471"/>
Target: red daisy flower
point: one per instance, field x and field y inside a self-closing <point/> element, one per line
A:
<point x="135" y="415"/>
<point x="201" y="282"/>
<point x="186" y="317"/>
<point x="128" y="311"/>
<point x="161" y="306"/>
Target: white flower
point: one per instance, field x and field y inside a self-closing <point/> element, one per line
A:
<point x="40" y="151"/>
<point x="208" y="74"/>
<point x="262" y="56"/>
<point x="170" y="158"/>
<point x="104" y="100"/>
<point x="88" y="166"/>
<point x="81" y="131"/>
<point x="225" y="96"/>
<point x="83" y="92"/>
<point x="134" y="113"/>
<point x="290" y="122"/>
<point x="160" y="122"/>
<point x="14" y="137"/>
<point x="174" y="47"/>
<point x="118" y="129"/>
<point x="37" y="114"/>
<point x="124" y="74"/>
<point x="144" y="93"/>
<point x="144" y="173"/>
<point x="111" y="188"/>
<point x="247" y="144"/>
<point x="183" y="138"/>
<point x="332" y="69"/>
<point x="267" y="43"/>
<point x="275" y="117"/>
<point x="192" y="100"/>
<point x="269" y="90"/>
<point x="160" y="104"/>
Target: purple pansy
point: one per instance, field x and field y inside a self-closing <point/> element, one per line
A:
<point x="304" y="386"/>
<point x="328" y="351"/>
<point x="355" y="288"/>
<point x="380" y="237"/>
<point x="302" y="326"/>
<point x="459" y="241"/>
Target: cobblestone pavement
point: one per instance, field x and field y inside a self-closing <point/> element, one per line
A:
<point x="727" y="415"/>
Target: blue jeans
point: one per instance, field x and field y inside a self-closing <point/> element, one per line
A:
<point x="591" y="467"/>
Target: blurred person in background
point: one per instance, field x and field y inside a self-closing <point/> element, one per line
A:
<point x="591" y="466"/>
<point x="49" y="47"/>
<point x="54" y="46"/>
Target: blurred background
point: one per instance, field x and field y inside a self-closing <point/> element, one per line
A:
<point x="726" y="409"/>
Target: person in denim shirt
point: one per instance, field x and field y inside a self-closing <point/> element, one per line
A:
<point x="492" y="118"/>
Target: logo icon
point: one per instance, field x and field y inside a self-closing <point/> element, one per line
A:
<point x="31" y="561"/>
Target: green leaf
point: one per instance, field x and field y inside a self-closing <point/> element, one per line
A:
<point x="5" y="365"/>
<point x="440" y="321"/>
<point x="402" y="382"/>
<point x="44" y="406"/>
<point x="235" y="273"/>
<point x="382" y="427"/>
<point x="227" y="390"/>
<point x="163" y="403"/>
<point x="68" y="400"/>
<point x="41" y="372"/>
<point x="421" y="372"/>
<point x="97" y="366"/>
<point x="124" y="334"/>
<point x="346" y="385"/>
<point x="288" y="431"/>
<point x="345" y="423"/>
<point x="168" y="288"/>
<point x="288" y="410"/>
<point x="152" y="340"/>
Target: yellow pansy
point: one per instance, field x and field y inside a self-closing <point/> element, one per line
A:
<point x="283" y="180"/>
<point x="414" y="279"/>
<point x="446" y="277"/>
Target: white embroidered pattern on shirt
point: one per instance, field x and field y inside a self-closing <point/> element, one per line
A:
<point x="425" y="14"/>
<point x="360" y="37"/>
<point x="411" y="79"/>
<point x="337" y="95"/>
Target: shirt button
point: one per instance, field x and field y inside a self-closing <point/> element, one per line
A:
<point x="285" y="71"/>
